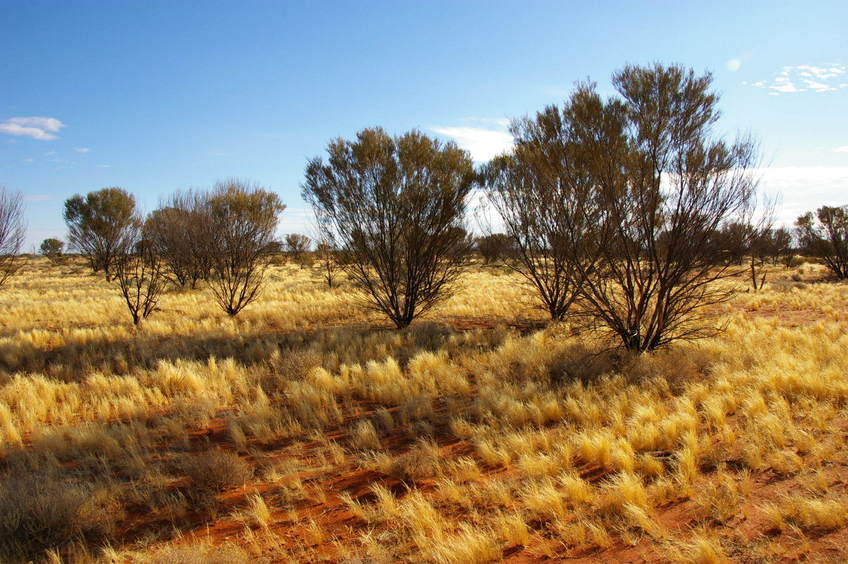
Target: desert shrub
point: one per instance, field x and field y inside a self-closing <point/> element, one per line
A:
<point x="537" y="209"/>
<point x="98" y="225"/>
<point x="422" y="461"/>
<point x="38" y="512"/>
<point x="494" y="247"/>
<point x="363" y="435"/>
<point x="139" y="270"/>
<point x="306" y="260"/>
<point x="292" y="364"/>
<point x="277" y="259"/>
<point x="396" y="207"/>
<point x="52" y="249"/>
<point x="328" y="258"/>
<point x="298" y="246"/>
<point x="11" y="232"/>
<point x="243" y="220"/>
<point x="825" y="236"/>
<point x="217" y="469"/>
<point x="616" y="203"/>
<point x="180" y="232"/>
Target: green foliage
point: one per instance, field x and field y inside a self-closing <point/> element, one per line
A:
<point x="98" y="225"/>
<point x="825" y="235"/>
<point x="180" y="232"/>
<point x="494" y="247"/>
<point x="617" y="202"/>
<point x="395" y="205"/>
<point x="243" y="220"/>
<point x="52" y="248"/>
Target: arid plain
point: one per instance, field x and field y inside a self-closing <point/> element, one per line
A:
<point x="306" y="430"/>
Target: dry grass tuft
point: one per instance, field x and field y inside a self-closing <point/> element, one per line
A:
<point x="808" y="513"/>
<point x="217" y="469"/>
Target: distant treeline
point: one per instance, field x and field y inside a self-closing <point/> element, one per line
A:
<point x="623" y="211"/>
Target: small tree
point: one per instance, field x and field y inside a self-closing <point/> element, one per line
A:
<point x="758" y="242"/>
<point x="825" y="235"/>
<point x="733" y="241"/>
<point x="494" y="247"/>
<point x="781" y="247"/>
<point x="647" y="188"/>
<point x="665" y="185"/>
<point x="759" y="253"/>
<point x="139" y="271"/>
<point x="542" y="193"/>
<point x="180" y="231"/>
<point x="297" y="246"/>
<point x="328" y="257"/>
<point x="12" y="233"/>
<point x="396" y="207"/>
<point x="100" y="224"/>
<point x="243" y="220"/>
<point x="52" y="249"/>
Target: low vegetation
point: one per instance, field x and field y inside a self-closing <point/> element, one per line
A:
<point x="640" y="368"/>
<point x="309" y="430"/>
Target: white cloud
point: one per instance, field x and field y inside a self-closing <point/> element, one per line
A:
<point x="82" y="149"/>
<point x="821" y="72"/>
<point x="37" y="198"/>
<point x="482" y="143"/>
<point x="796" y="189"/>
<point x="297" y="219"/>
<point x="803" y="189"/>
<point x="104" y="166"/>
<point x="733" y="65"/>
<point x="784" y="87"/>
<point x="806" y="78"/>
<point x="818" y="86"/>
<point x="842" y="149"/>
<point x="500" y="122"/>
<point x="42" y="128"/>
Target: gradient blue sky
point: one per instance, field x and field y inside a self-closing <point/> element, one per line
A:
<point x="154" y="96"/>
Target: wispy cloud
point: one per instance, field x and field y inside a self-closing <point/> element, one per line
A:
<point x="37" y="198"/>
<point x="42" y="128"/>
<point x="733" y="65"/>
<point x="502" y="122"/>
<point x="842" y="149"/>
<point x="805" y="78"/>
<point x="798" y="190"/>
<point x="483" y="143"/>
<point x="297" y="219"/>
<point x="104" y="166"/>
<point x="802" y="189"/>
<point x="82" y="149"/>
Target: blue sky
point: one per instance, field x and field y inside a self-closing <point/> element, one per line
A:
<point x="154" y="96"/>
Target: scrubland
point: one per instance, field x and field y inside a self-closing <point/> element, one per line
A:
<point x="305" y="430"/>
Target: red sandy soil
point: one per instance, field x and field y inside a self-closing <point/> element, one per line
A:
<point x="746" y="537"/>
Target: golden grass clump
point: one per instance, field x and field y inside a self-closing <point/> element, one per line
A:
<point x="809" y="513"/>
